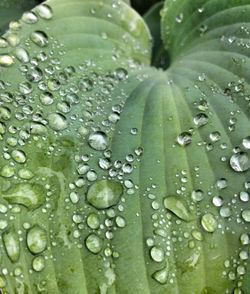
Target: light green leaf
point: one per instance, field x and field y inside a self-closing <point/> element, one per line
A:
<point x="144" y="173"/>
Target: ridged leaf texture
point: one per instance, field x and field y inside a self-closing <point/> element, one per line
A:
<point x="117" y="177"/>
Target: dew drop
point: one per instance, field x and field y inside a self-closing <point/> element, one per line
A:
<point x="36" y="240"/>
<point x="94" y="243"/>
<point x="157" y="253"/>
<point x="38" y="263"/>
<point x="104" y="194"/>
<point x="11" y="244"/>
<point x="6" y="60"/>
<point x="246" y="142"/>
<point x="44" y="11"/>
<point x="197" y="195"/>
<point x="184" y="139"/>
<point x="178" y="206"/>
<point x="209" y="222"/>
<point x="29" y="17"/>
<point x="98" y="141"/>
<point x="120" y="222"/>
<point x="246" y="215"/>
<point x="7" y="171"/>
<point x="221" y="183"/>
<point x="93" y="221"/>
<point x="201" y="119"/>
<point x="240" y="162"/>
<point x="57" y="121"/>
<point x="19" y="156"/>
<point x="39" y="38"/>
<point x="22" y="55"/>
<point x="161" y="276"/>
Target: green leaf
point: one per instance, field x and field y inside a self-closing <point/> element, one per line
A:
<point x="12" y="10"/>
<point x="116" y="177"/>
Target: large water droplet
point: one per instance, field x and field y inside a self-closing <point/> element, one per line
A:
<point x="36" y="240"/>
<point x="19" y="156"/>
<point x="29" y="195"/>
<point x="184" y="139"/>
<point x="246" y="215"/>
<point x="161" y="276"/>
<point x="44" y="11"/>
<point x="6" y="60"/>
<point x="38" y="263"/>
<point x="7" y="171"/>
<point x="39" y="38"/>
<point x="157" y="253"/>
<point x="11" y="243"/>
<point x="104" y="194"/>
<point x="209" y="222"/>
<point x="201" y="119"/>
<point x="178" y="206"/>
<point x="57" y="121"/>
<point x="94" y="243"/>
<point x="240" y="162"/>
<point x="22" y="55"/>
<point x="98" y="141"/>
<point x="197" y="195"/>
<point x="29" y="17"/>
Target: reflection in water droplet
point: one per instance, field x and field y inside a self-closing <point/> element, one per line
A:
<point x="36" y="240"/>
<point x="104" y="194"/>
<point x="98" y="141"/>
<point x="240" y="162"/>
<point x="94" y="243"/>
<point x="209" y="222"/>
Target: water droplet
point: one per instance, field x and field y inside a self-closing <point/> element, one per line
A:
<point x="5" y="113"/>
<point x="178" y="206"/>
<point x="74" y="198"/>
<point x="13" y="39"/>
<point x="94" y="243"/>
<point x="22" y="55"/>
<point x="104" y="163"/>
<point x="120" y="222"/>
<point x="179" y="17"/>
<point x="93" y="221"/>
<point x="3" y="43"/>
<point x="34" y="75"/>
<point x="39" y="38"/>
<point x="38" y="263"/>
<point x="245" y="239"/>
<point x="29" y="195"/>
<point x="244" y="196"/>
<point x="25" y="88"/>
<point x="36" y="240"/>
<point x="44" y="11"/>
<point x="98" y="141"/>
<point x="25" y="174"/>
<point x="209" y="222"/>
<point x="7" y="171"/>
<point x="19" y="156"/>
<point x="201" y="119"/>
<point x="217" y="201"/>
<point x="104" y="194"/>
<point x="161" y="276"/>
<point x="240" y="162"/>
<point x="57" y="121"/>
<point x="85" y="85"/>
<point x="197" y="195"/>
<point x="157" y="253"/>
<point x="221" y="184"/>
<point x="184" y="139"/>
<point x="29" y="17"/>
<point x="11" y="244"/>
<point x="246" y="215"/>
<point x="246" y="142"/>
<point x="91" y="175"/>
<point x="225" y="211"/>
<point x="6" y="60"/>
<point x="215" y="136"/>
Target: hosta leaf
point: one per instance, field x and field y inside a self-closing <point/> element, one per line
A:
<point x="116" y="177"/>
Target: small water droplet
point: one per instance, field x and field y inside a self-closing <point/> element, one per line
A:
<point x="29" y="17"/>
<point x="201" y="119"/>
<point x="246" y="215"/>
<point x="44" y="11"/>
<point x="246" y="142"/>
<point x="39" y="38"/>
<point x="161" y="276"/>
<point x="178" y="206"/>
<point x="197" y="195"/>
<point x="57" y="121"/>
<point x="19" y="156"/>
<point x="46" y="98"/>
<point x="22" y="55"/>
<point x="93" y="221"/>
<point x="11" y="243"/>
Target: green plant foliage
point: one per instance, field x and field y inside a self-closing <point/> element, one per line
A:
<point x="115" y="176"/>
